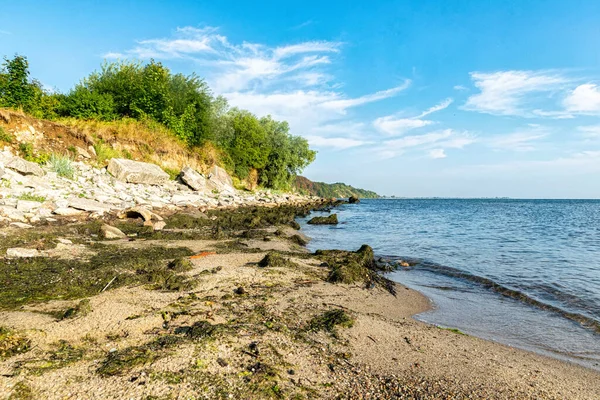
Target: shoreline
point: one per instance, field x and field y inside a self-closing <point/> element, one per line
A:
<point x="280" y="330"/>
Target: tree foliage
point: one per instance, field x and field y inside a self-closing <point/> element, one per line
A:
<point x="182" y="103"/>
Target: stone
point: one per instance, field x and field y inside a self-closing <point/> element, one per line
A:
<point x="195" y="180"/>
<point x="12" y="213"/>
<point x="24" y="167"/>
<point x="83" y="152"/>
<point x="137" y="212"/>
<point x="21" y="225"/>
<point x="353" y="200"/>
<point x="159" y="225"/>
<point x="110" y="232"/>
<point x="67" y="211"/>
<point x="329" y="220"/>
<point x="92" y="150"/>
<point x="27" y="206"/>
<point x="137" y="172"/>
<point x="19" y="252"/>
<point x="88" y="205"/>
<point x="221" y="179"/>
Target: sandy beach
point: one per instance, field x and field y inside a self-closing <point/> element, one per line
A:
<point x="252" y="329"/>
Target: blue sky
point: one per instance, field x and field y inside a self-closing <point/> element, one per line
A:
<point x="412" y="98"/>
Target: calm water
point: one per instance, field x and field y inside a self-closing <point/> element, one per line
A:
<point x="522" y="272"/>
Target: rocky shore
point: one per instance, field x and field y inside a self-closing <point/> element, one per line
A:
<point x="115" y="286"/>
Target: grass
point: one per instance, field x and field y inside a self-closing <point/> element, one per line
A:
<point x="145" y="141"/>
<point x="5" y="136"/>
<point x="62" y="165"/>
<point x="29" y="154"/>
<point x="31" y="197"/>
<point x="105" y="152"/>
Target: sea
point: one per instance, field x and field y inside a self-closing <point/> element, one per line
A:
<point x="525" y="273"/>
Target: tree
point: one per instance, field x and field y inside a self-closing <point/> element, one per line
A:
<point x="249" y="147"/>
<point x="15" y="88"/>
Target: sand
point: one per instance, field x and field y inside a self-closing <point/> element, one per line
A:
<point x="265" y="349"/>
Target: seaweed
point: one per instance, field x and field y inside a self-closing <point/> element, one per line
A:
<point x="12" y="343"/>
<point x="328" y="220"/>
<point x="276" y="260"/>
<point x="329" y="321"/>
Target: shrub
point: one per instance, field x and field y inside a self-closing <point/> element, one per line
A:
<point x="62" y="165"/>
<point x="105" y="152"/>
<point x="5" y="136"/>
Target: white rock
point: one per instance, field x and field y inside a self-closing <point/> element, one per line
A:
<point x="19" y="252"/>
<point x="110" y="232"/>
<point x="21" y="225"/>
<point x="27" y="206"/>
<point x="67" y="211"/>
<point x="24" y="167"/>
<point x="88" y="205"/>
<point x="137" y="172"/>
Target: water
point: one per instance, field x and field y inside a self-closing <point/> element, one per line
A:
<point x="521" y="272"/>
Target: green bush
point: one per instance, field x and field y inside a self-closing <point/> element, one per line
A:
<point x="184" y="104"/>
<point x="5" y="136"/>
<point x="62" y="165"/>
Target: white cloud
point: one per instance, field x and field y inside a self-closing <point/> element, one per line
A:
<point x="460" y="88"/>
<point x="436" y="140"/>
<point x="290" y="82"/>
<point x="393" y="126"/>
<point x="584" y="99"/>
<point x="518" y="141"/>
<point x="437" y="153"/>
<point x="512" y="92"/>
<point x="438" y="107"/>
<point x="335" y="142"/>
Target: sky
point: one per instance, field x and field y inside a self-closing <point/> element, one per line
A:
<point x="409" y="98"/>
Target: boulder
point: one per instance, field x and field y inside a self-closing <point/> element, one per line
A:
<point x="24" y="167"/>
<point x="137" y="172"/>
<point x="110" y="232"/>
<point x="19" y="252"/>
<point x="195" y="180"/>
<point x="21" y="225"/>
<point x="83" y="152"/>
<point x="329" y="220"/>
<point x="67" y="211"/>
<point x="27" y="206"/>
<point x="159" y="225"/>
<point x="353" y="200"/>
<point x="140" y="212"/>
<point x="88" y="205"/>
<point x="221" y="179"/>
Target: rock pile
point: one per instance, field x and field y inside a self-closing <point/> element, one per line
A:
<point x="30" y="193"/>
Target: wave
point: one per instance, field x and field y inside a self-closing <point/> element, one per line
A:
<point x="585" y="321"/>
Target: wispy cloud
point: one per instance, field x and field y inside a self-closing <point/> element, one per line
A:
<point x="334" y="142"/>
<point x="5" y="32"/>
<point x="436" y="140"/>
<point x="522" y="140"/>
<point x="393" y="125"/>
<point x="302" y="25"/>
<point x="513" y="92"/>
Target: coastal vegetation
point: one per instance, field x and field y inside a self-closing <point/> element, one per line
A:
<point x="129" y="99"/>
<point x="328" y="190"/>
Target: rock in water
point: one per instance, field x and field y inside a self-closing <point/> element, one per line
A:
<point x="24" y="167"/>
<point x="195" y="180"/>
<point x="137" y="172"/>
<point x="110" y="232"/>
<point x="353" y="200"/>
<point x="329" y="220"/>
